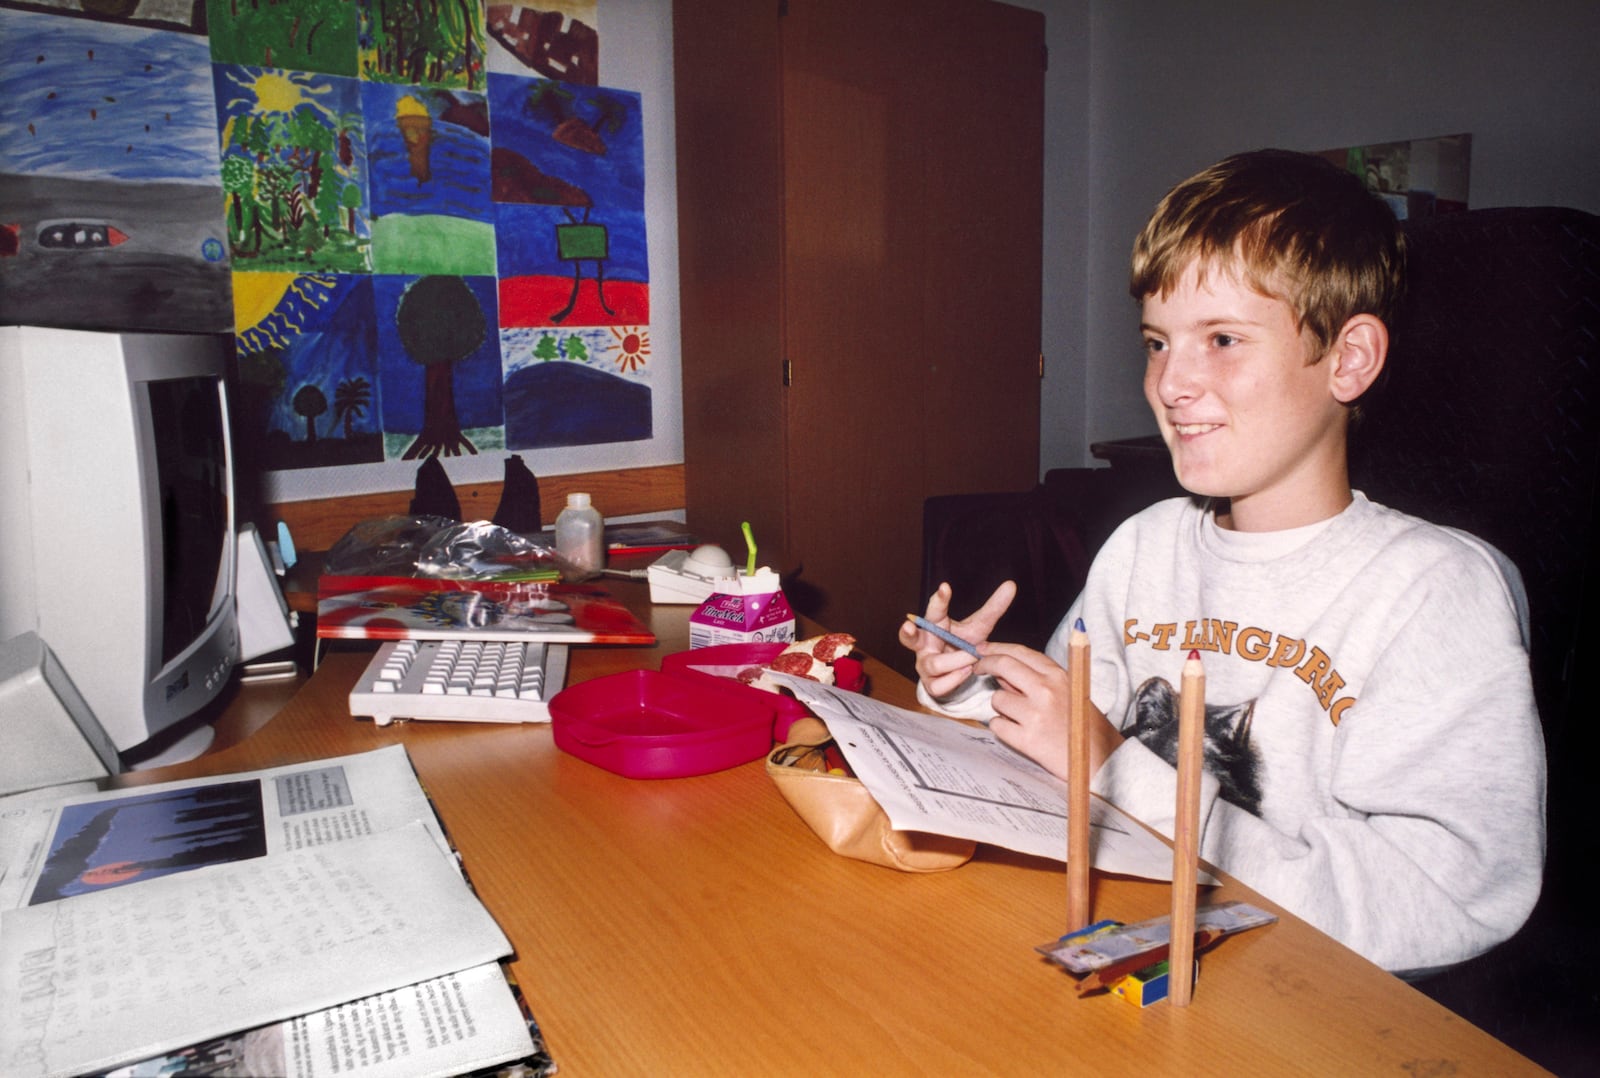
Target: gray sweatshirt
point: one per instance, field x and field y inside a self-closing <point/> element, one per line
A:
<point x="1374" y="757"/>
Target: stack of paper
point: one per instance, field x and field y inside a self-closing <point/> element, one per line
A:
<point x="308" y="920"/>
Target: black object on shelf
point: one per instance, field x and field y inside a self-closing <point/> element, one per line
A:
<point x="433" y="495"/>
<point x="519" y="509"/>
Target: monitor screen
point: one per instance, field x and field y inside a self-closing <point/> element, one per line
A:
<point x="186" y="424"/>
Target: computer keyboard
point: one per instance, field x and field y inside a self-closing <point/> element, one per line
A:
<point x="461" y="680"/>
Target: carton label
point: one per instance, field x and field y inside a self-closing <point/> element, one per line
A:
<point x="756" y="617"/>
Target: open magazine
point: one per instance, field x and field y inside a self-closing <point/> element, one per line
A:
<point x="306" y="920"/>
<point x="397" y="608"/>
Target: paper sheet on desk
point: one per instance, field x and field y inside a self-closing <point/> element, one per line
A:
<point x="948" y="778"/>
<point x="99" y="979"/>
<point x="457" y="1024"/>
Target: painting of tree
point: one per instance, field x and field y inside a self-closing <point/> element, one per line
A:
<point x="350" y="402"/>
<point x="424" y="42"/>
<point x="293" y="170"/>
<point x="440" y="322"/>
<point x="307" y="35"/>
<point x="304" y="340"/>
<point x="310" y="402"/>
<point x="439" y="366"/>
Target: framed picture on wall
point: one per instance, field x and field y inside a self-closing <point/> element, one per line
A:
<point x="1417" y="177"/>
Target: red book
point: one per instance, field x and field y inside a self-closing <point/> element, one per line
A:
<point x="401" y="607"/>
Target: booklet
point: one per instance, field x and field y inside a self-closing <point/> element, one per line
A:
<point x="202" y="895"/>
<point x="397" y="608"/>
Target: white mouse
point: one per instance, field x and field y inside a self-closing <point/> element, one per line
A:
<point x="709" y="561"/>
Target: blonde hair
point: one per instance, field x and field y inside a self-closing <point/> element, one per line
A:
<point x="1293" y="225"/>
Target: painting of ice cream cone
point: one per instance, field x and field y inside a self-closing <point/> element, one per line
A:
<point x="416" y="127"/>
<point x="428" y="193"/>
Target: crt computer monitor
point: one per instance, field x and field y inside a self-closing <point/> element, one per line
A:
<point x="117" y="535"/>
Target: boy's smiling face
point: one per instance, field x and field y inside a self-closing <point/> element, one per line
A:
<point x="1244" y="411"/>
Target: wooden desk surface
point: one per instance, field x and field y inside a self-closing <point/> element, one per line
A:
<point x="696" y="926"/>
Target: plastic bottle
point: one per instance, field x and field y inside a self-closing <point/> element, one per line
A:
<point x="580" y="537"/>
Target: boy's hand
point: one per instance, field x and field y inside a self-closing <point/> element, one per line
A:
<point x="1032" y="705"/>
<point x="942" y="668"/>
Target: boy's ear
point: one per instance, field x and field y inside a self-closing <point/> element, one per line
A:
<point x="1357" y="357"/>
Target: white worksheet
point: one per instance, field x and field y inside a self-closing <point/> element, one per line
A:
<point x="946" y="777"/>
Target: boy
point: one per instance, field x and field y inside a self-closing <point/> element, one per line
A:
<point x="1374" y="760"/>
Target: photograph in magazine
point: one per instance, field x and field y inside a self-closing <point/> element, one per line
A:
<point x="104" y="844"/>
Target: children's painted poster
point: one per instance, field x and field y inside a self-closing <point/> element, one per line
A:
<point x="1416" y="177"/>
<point x="575" y="386"/>
<point x="554" y="39"/>
<point x="428" y="161"/>
<point x="307" y="383"/>
<point x="294" y="170"/>
<point x="439" y="365"/>
<point x="109" y="182"/>
<point x="432" y="42"/>
<point x="183" y="15"/>
<point x="574" y="271"/>
<point x="306" y="35"/>
<point x="423" y="220"/>
<point x="569" y="198"/>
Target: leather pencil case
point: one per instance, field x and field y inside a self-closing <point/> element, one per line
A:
<point x="814" y="779"/>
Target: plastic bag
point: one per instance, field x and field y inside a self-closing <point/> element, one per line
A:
<point x="441" y="547"/>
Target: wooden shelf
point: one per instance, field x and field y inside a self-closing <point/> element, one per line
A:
<point x="319" y="523"/>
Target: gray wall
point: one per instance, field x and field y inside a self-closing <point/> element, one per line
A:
<point x="1174" y="85"/>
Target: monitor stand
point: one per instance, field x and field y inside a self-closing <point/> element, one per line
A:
<point x="187" y="747"/>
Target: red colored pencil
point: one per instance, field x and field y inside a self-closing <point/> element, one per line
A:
<point x="1186" y="826"/>
<point x="1078" y="856"/>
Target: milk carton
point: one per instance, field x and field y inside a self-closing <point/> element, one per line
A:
<point x="746" y="609"/>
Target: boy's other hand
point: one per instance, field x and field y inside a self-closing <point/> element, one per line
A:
<point x="942" y="668"/>
<point x="1032" y="705"/>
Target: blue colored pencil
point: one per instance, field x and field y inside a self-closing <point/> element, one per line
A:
<point x="945" y="634"/>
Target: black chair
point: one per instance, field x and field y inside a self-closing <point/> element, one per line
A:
<point x="1044" y="539"/>
<point x="1488" y="419"/>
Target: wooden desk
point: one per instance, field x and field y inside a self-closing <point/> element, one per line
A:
<point x="695" y="926"/>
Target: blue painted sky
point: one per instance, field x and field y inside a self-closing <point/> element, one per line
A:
<point x="525" y="234"/>
<point x="459" y="159"/>
<point x="105" y="101"/>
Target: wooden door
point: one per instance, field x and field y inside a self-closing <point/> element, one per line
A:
<point x="859" y="193"/>
<point x="912" y="142"/>
<point x="727" y="101"/>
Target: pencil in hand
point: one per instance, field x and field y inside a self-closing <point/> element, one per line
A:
<point x="944" y="634"/>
